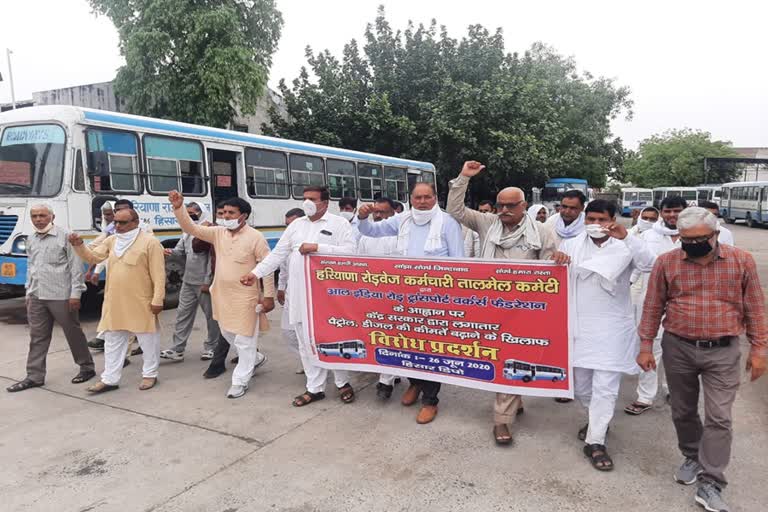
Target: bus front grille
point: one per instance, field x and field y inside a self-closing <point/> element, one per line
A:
<point x="7" y="225"/>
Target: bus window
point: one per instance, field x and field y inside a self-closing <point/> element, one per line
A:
<point x="341" y="178"/>
<point x="266" y="173"/>
<point x="121" y="157"/>
<point x="704" y="195"/>
<point x="688" y="195"/>
<point x="306" y="170"/>
<point x="645" y="196"/>
<point x="32" y="160"/>
<point x="630" y="196"/>
<point x="78" y="175"/>
<point x="174" y="164"/>
<point x="369" y="177"/>
<point x="395" y="181"/>
<point x="428" y="177"/>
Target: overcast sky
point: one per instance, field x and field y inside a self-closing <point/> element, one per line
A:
<point x="696" y="64"/>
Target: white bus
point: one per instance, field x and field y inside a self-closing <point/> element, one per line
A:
<point x="710" y="193"/>
<point x="346" y="349"/>
<point x="745" y="200"/>
<point x="635" y="199"/>
<point x="526" y="372"/>
<point x="75" y="159"/>
<point x="690" y="194"/>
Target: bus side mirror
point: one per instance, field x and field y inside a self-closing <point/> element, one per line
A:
<point x="98" y="163"/>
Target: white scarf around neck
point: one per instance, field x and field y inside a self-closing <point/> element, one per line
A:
<point x="526" y="233"/>
<point x="571" y="230"/>
<point x="608" y="263"/>
<point x="433" y="217"/>
<point x="125" y="241"/>
<point x="662" y="229"/>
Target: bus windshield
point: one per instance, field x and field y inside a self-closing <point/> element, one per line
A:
<point x="32" y="160"/>
<point x="555" y="191"/>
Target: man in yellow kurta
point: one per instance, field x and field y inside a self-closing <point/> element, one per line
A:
<point x="240" y="310"/>
<point x="133" y="297"/>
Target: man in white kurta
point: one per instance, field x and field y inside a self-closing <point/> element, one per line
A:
<point x="605" y="341"/>
<point x="383" y="209"/>
<point x="318" y="231"/>
<point x="289" y="333"/>
<point x="662" y="237"/>
<point x="568" y="222"/>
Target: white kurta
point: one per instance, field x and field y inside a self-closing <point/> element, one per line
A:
<point x="384" y="246"/>
<point x="604" y="331"/>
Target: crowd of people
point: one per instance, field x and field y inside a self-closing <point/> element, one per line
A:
<point x="672" y="291"/>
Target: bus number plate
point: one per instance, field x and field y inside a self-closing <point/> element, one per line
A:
<point x="8" y="270"/>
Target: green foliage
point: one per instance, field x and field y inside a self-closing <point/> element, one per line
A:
<point x="423" y="95"/>
<point x="192" y="60"/>
<point x="676" y="158"/>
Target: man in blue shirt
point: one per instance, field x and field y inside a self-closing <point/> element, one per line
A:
<point x="425" y="230"/>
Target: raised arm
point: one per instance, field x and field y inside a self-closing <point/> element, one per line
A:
<point x="205" y="233"/>
<point x="91" y="255"/>
<point x="387" y="227"/>
<point x="457" y="191"/>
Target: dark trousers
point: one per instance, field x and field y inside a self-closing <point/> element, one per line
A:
<point x="720" y="371"/>
<point x="41" y="314"/>
<point x="220" y="352"/>
<point x="429" y="390"/>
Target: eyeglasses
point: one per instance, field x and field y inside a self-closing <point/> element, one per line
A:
<point x="508" y="206"/>
<point x="697" y="240"/>
<point x="122" y="222"/>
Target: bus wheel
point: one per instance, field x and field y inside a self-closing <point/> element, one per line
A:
<point x="729" y="220"/>
<point x="527" y="379"/>
<point x="174" y="273"/>
<point x="751" y="222"/>
<point x="347" y="356"/>
<point x="555" y="379"/>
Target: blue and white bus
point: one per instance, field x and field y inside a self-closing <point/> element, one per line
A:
<point x="353" y="349"/>
<point x="554" y="189"/>
<point x="74" y="159"/>
<point x="745" y="200"/>
<point x="635" y="199"/>
<point x="690" y="194"/>
<point x="526" y="372"/>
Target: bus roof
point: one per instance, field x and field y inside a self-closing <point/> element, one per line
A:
<point x="675" y="188"/>
<point x="744" y="184"/>
<point x="634" y="189"/>
<point x="67" y="113"/>
<point x="566" y="180"/>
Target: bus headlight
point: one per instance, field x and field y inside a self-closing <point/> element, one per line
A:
<point x="19" y="245"/>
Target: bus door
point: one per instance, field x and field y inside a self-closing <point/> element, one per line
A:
<point x="223" y="171"/>
<point x="762" y="206"/>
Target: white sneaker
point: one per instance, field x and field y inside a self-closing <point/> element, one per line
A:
<point x="300" y="370"/>
<point x="260" y="360"/>
<point x="172" y="355"/>
<point x="207" y="355"/>
<point x="236" y="391"/>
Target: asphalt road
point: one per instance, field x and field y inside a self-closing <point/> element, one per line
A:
<point x="184" y="447"/>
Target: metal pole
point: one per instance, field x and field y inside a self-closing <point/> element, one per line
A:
<point x="8" y="53"/>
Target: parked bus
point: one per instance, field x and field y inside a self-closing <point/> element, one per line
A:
<point x="690" y="194"/>
<point x="555" y="188"/>
<point x="709" y="193"/>
<point x="521" y="370"/>
<point x="635" y="199"/>
<point x="75" y="159"/>
<point x="346" y="349"/>
<point x="745" y="200"/>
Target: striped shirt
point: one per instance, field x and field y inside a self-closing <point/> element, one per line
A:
<point x="54" y="271"/>
<point x="705" y="302"/>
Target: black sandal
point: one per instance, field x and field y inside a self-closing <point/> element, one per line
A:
<point x="22" y="385"/>
<point x="83" y="377"/>
<point x="582" y="435"/>
<point x="347" y="394"/>
<point x="307" y="398"/>
<point x="637" y="408"/>
<point x="598" y="456"/>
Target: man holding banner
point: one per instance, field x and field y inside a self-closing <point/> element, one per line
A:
<point x="509" y="234"/>
<point x="425" y="230"/>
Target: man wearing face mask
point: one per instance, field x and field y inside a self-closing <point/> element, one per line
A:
<point x="425" y="230"/>
<point x="197" y="271"/>
<point x="133" y="297"/>
<point x="708" y="294"/>
<point x="54" y="286"/>
<point x="510" y="234"/>
<point x="318" y="231"/>
<point x="240" y="311"/>
<point x="568" y="222"/>
<point x="646" y="219"/>
<point x="661" y="238"/>
<point x="605" y="342"/>
<point x="347" y="209"/>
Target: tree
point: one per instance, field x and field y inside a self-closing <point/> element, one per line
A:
<point x="676" y="158"/>
<point x="423" y="95"/>
<point x="193" y="61"/>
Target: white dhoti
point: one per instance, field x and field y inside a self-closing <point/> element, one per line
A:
<point x="648" y="382"/>
<point x="116" y="347"/>
<point x="597" y="391"/>
<point x="316" y="376"/>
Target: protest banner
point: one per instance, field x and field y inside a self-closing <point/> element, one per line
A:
<point x="496" y="325"/>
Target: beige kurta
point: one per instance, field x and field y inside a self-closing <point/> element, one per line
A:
<point x="234" y="305"/>
<point x="135" y="281"/>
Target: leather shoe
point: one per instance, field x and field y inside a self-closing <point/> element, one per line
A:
<point x="426" y="414"/>
<point x="411" y="395"/>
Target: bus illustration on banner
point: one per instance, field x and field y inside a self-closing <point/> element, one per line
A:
<point x="346" y="349"/>
<point x="521" y="370"/>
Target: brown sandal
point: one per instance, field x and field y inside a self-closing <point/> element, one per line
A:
<point x="347" y="394"/>
<point x="502" y="434"/>
<point x="307" y="398"/>
<point x="147" y="383"/>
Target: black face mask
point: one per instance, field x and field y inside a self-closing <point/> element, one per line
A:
<point x="194" y="217"/>
<point x="696" y="250"/>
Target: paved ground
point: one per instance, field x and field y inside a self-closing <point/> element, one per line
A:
<point x="184" y="447"/>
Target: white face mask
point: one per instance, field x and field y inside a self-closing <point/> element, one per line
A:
<point x="596" y="230"/>
<point x="46" y="229"/>
<point x="644" y="225"/>
<point x="421" y="217"/>
<point x="309" y="207"/>
<point x="230" y="224"/>
<point x="347" y="215"/>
